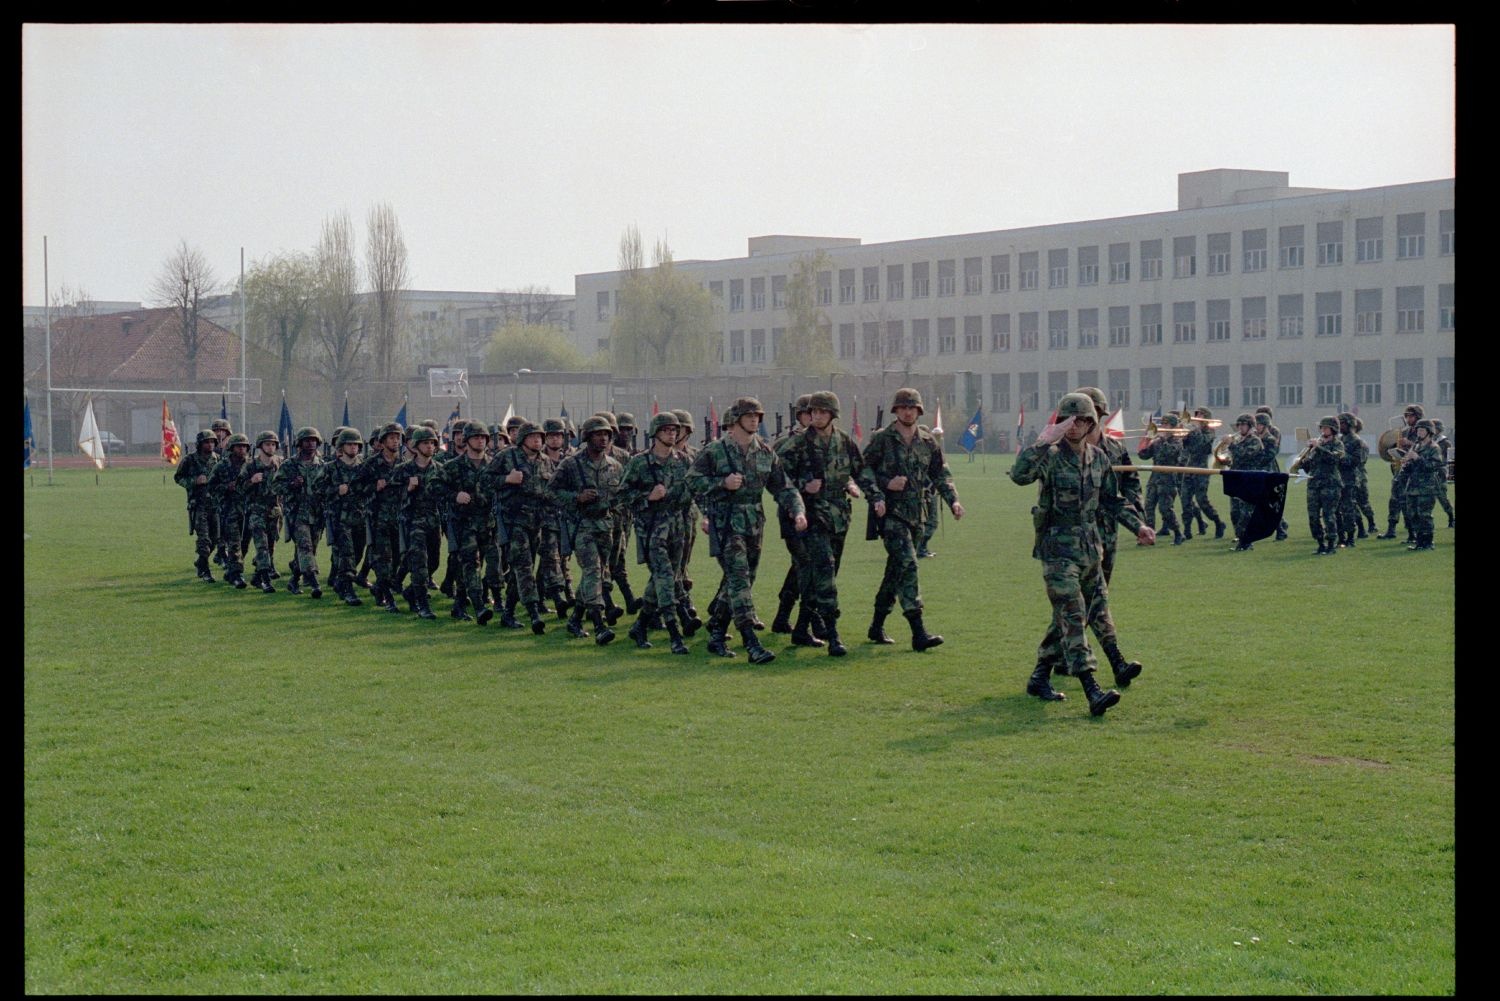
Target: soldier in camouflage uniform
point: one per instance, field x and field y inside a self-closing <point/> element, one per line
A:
<point x="377" y="483"/>
<point x="462" y="487"/>
<point x="222" y="430"/>
<point x="727" y="479"/>
<point x="1322" y="464"/>
<point x="1198" y="450"/>
<point x="690" y="519"/>
<point x="585" y="487"/>
<point x="618" y="566"/>
<point x="1076" y="481"/>
<point x="1351" y="522"/>
<point x="225" y="486"/>
<point x="343" y="502"/>
<point x="263" y="509"/>
<point x="518" y="479"/>
<point x="1246" y="451"/>
<point x="421" y="521"/>
<point x="553" y="577"/>
<point x="790" y="587"/>
<point x="654" y="490"/>
<point x="828" y="468"/>
<point x="1443" y="443"/>
<point x="1364" y="513"/>
<point x="1165" y="450"/>
<point x="1397" y="506"/>
<point x="1271" y="457"/>
<point x="904" y="459"/>
<point x="192" y="475"/>
<point x="1425" y="471"/>
<point x="296" y="483"/>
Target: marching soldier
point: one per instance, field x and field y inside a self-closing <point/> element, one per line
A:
<point x="378" y="484"/>
<point x="727" y="479"/>
<point x="554" y="578"/>
<point x="1197" y="450"/>
<point x="904" y="459"/>
<point x="296" y="484"/>
<point x="1351" y="520"/>
<point x="192" y="475"/>
<point x="1444" y="444"/>
<point x="224" y="484"/>
<point x="1397" y="506"/>
<point x="690" y="517"/>
<point x="1246" y="451"/>
<point x="624" y="449"/>
<point x="263" y="508"/>
<point x="1271" y="457"/>
<point x="790" y="587"/>
<point x="416" y="482"/>
<point x="654" y="488"/>
<point x="464" y="488"/>
<point x="1322" y="464"/>
<point x="585" y="486"/>
<point x="1425" y="471"/>
<point x="1362" y="482"/>
<point x="344" y="513"/>
<point x="518" y="480"/>
<point x="222" y="430"/>
<point x="1165" y="450"/>
<point x="1076" y="481"/>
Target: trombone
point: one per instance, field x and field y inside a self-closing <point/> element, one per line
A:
<point x="1310" y="444"/>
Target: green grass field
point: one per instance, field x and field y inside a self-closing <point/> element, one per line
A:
<point x="234" y="792"/>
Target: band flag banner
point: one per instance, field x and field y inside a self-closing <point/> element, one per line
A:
<point x="974" y="433"/>
<point x="859" y="432"/>
<point x="346" y="410"/>
<point x="284" y="427"/>
<point x="1115" y="426"/>
<point x="401" y="415"/>
<point x="28" y="443"/>
<point x="1266" y="492"/>
<point x="171" y="442"/>
<point x="90" y="443"/>
<point x="1020" y="426"/>
<point x="223" y="407"/>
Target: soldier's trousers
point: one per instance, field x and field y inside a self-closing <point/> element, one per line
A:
<point x="1166" y="496"/>
<point x="1419" y="507"/>
<point x="1397" y="505"/>
<point x="264" y="527"/>
<point x="1080" y="601"/>
<point x="663" y="544"/>
<point x="930" y="517"/>
<point x="1239" y="514"/>
<point x="1152" y="501"/>
<point x="521" y="556"/>
<point x="231" y="531"/>
<point x="385" y="551"/>
<point x="204" y="529"/>
<point x="739" y="558"/>
<point x="422" y="537"/>
<point x="1442" y="495"/>
<point x="900" y="580"/>
<point x="469" y="537"/>
<point x="1323" y="511"/>
<point x="1195" y="501"/>
<point x="344" y="552"/>
<point x="823" y="551"/>
<point x="1362" y="498"/>
<point x="592" y="549"/>
<point x="1349" y="519"/>
<point x="305" y="535"/>
<point x="791" y="584"/>
<point x="552" y="569"/>
<point x="689" y="538"/>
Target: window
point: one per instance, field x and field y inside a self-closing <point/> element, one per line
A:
<point x="1366" y="382"/>
<point x="1288" y="316"/>
<point x="846" y="285"/>
<point x="825" y="288"/>
<point x="846" y="340"/>
<point x="973" y="334"/>
<point x="947" y="277"/>
<point x="872" y="340"/>
<point x="757" y="295"/>
<point x="1218" y="319"/>
<point x="895" y="281"/>
<point x="1031" y="397"/>
<point x="1184" y="256"/>
<point x="1030" y="331"/>
<point x="1328" y="377"/>
<point x="1252" y="385"/>
<point x="1369" y="243"/>
<point x="1408" y="380"/>
<point x="1445" y="382"/>
<point x="1088" y="265"/>
<point x="1445" y="232"/>
<point x="1087" y="377"/>
<point x="1119" y="263"/>
<point x="1217" y="389"/>
<point x="778" y="291"/>
<point x="1289" y="384"/>
<point x="1184" y="322"/>
<point x="716" y="289"/>
<point x="1289" y="246"/>
<point x="718" y="350"/>
<point x="602" y="301"/>
<point x="736" y="347"/>
<point x="1330" y="244"/>
<point x="1151" y="323"/>
<point x="1057" y="329"/>
<point x="1445" y="307"/>
<point x="1000" y="391"/>
<point x="1058" y="384"/>
<point x="973" y="275"/>
<point x="1253" y="318"/>
<point x="736" y="295"/>
<point x="602" y="344"/>
<point x="1150" y="260"/>
<point x="1057" y="269"/>
<point x="1088" y="330"/>
<point x="1119" y="387"/>
<point x="1367" y="310"/>
<point x="872" y="284"/>
<point x="758" y="346"/>
<point x="1000" y="332"/>
<point x="1151" y="388"/>
<point x="947" y="334"/>
<point x="1410" y="239"/>
<point x="1029" y="269"/>
<point x="1119" y="326"/>
<point x="776" y="334"/>
<point x="919" y="337"/>
<point x="1253" y="246"/>
<point x="1184" y="392"/>
<point x="1329" y="307"/>
<point x="1000" y="273"/>
<point x="919" y="280"/>
<point x="1409" y="309"/>
<point x="1218" y="253"/>
<point x="895" y="338"/>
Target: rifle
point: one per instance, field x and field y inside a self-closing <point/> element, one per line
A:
<point x="717" y="521"/>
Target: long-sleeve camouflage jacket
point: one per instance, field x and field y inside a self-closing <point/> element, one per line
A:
<point x="1075" y="488"/>
<point x="1130" y="486"/>
<point x="296" y="483"/>
<point x="1247" y="452"/>
<point x="1322" y="463"/>
<point x="1428" y="471"/>
<point x="460" y="474"/>
<point x="1356" y="453"/>
<point x="425" y="503"/>
<point x="642" y="475"/>
<point x="226" y="486"/>
<point x="528" y="504"/>
<point x="921" y="462"/>
<point x="191" y="466"/>
<point x="1163" y="452"/>
<point x="835" y="460"/>
<point x="351" y="507"/>
<point x="384" y="505"/>
<point x="260" y="498"/>
<point x="578" y="473"/>
<point x="739" y="512"/>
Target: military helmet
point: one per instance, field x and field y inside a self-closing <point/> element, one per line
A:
<point x="1076" y="405"/>
<point x="1359" y="425"/>
<point x="429" y="423"/>
<point x="423" y="433"/>
<point x="1263" y="409"/>
<point x="308" y="432"/>
<point x="665" y="419"/>
<point x="1169" y="420"/>
<point x="554" y="425"/>
<point x="514" y="421"/>
<point x="1428" y="425"/>
<point x="475" y="429"/>
<point x="825" y="400"/>
<point x="266" y="436"/>
<point x="625" y="420"/>
<point x="1264" y="420"/>
<point x="220" y="424"/>
<point x="803" y="404"/>
<point x="1101" y="402"/>
<point x="1328" y="422"/>
<point x="348" y="436"/>
<point x="236" y="439"/>
<point x="205" y="435"/>
<point x="1415" y="408"/>
<point x="744" y="407"/>
<point x="340" y="430"/>
<point x="1437" y="425"/>
<point x="594" y="423"/>
<point x="528" y="428"/>
<point x="1202" y="412"/>
<point x="496" y="430"/>
<point x="391" y="428"/>
<point x="605" y="416"/>
<point x="684" y="420"/>
<point x="1347" y="417"/>
<point x="908" y="397"/>
<point x="1245" y="419"/>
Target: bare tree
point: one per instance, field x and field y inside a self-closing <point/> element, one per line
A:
<point x="72" y="308"/>
<point x="280" y="294"/>
<point x="531" y="305"/>
<point x="386" y="271"/>
<point x="185" y="280"/>
<point x="340" y="328"/>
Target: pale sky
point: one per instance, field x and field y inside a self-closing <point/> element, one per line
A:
<point x="516" y="155"/>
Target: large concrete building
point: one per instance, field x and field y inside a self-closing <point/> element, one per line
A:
<point x="1310" y="300"/>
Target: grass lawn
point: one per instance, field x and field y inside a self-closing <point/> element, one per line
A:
<point x="234" y="792"/>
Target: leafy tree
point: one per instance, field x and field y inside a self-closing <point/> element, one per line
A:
<point x="540" y="348"/>
<point x="807" y="344"/>
<point x="184" y="282"/>
<point x="665" y="323"/>
<point x="280" y="294"/>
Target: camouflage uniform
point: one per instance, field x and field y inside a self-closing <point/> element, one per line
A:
<point x="296" y="483"/>
<point x="658" y="533"/>
<point x="523" y="508"/>
<point x="344" y="518"/>
<point x="225" y="485"/>
<point x="1424" y="474"/>
<point x="1351" y="466"/>
<point x="384" y="509"/>
<point x="1322" y="464"/>
<point x="1164" y="451"/>
<point x="791" y="587"/>
<point x="1198" y="450"/>
<point x="262" y="512"/>
<point x="1444" y="444"/>
<point x="1246" y="451"/>
<point x="690" y="514"/>
<point x="200" y="503"/>
<point x="588" y="528"/>
<point x="624" y="450"/>
<point x="1130" y="491"/>
<point x="553" y="577"/>
<point x="421" y="523"/>
<point x="931" y="516"/>
<point x="471" y="526"/>
<point x="1271" y="458"/>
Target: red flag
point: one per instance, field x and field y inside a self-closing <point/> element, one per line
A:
<point x="713" y="419"/>
<point x="859" y="432"/>
<point x="171" y="447"/>
<point x="1052" y="419"/>
<point x="1115" y="426"/>
<point x="654" y="408"/>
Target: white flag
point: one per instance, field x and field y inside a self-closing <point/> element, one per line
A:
<point x="510" y="411"/>
<point x="89" y="442"/>
<point x="937" y="421"/>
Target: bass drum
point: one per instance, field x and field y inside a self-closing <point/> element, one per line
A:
<point x="1389" y="439"/>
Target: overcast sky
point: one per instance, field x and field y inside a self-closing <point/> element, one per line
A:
<point x="516" y="155"/>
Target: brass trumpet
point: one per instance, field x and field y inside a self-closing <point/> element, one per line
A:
<point x="1221" y="451"/>
<point x="1209" y="423"/>
<point x="1306" y="453"/>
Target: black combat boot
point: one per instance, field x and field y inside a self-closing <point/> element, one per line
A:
<point x="612" y="612"/>
<point x="294" y="583"/>
<point x="1321" y="550"/>
<point x="1187" y="529"/>
<point x="1389" y="533"/>
<point x="535" y="610"/>
<point x="718" y="630"/>
<point x="1099" y="699"/>
<point x="1040" y="685"/>
<point x="204" y="573"/>
<point x="264" y="582"/>
<point x="783" y="621"/>
<point x="1202" y="525"/>
<point x="1424" y="542"/>
<point x="638" y="632"/>
<point x="691" y="623"/>
<point x="1218" y="528"/>
<point x="483" y="613"/>
<point x="876" y="632"/>
<point x="921" y="639"/>
<point x="424" y="607"/>
<point x="632" y="603"/>
<point x="603" y="635"/>
<point x="1281" y="533"/>
<point x="757" y="653"/>
<point x="508" y="617"/>
<point x="800" y="634"/>
<point x="678" y="646"/>
<point x="755" y="622"/>
<point x="575" y="624"/>
<point x="836" y="646"/>
<point x="1125" y="671"/>
<point x="312" y="582"/>
<point x="1451" y="521"/>
<point x="238" y="580"/>
<point x="219" y="558"/>
<point x="1177" y="538"/>
<point x="1360" y="529"/>
<point x="460" y="610"/>
<point x="447" y="586"/>
<point x="410" y="594"/>
<point x="560" y="602"/>
<point x="350" y="598"/>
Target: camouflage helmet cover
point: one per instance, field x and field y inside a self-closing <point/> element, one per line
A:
<point x="1437" y="425"/>
<point x="205" y="435"/>
<point x="1415" y="408"/>
<point x="236" y="439"/>
<point x="476" y="429"/>
<point x="1328" y="422"/>
<point x="526" y="430"/>
<point x="684" y="419"/>
<point x="1245" y="419"/>
<point x="554" y="425"/>
<point x="308" y="432"/>
<point x="803" y="404"/>
<point x="348" y="436"/>
<point x="430" y="423"/>
<point x="625" y="420"/>
<point x="744" y="407"/>
<point x="1101" y="402"/>
<point x="1170" y="420"/>
<point x="607" y="417"/>
<point x="665" y="419"/>
<point x="1264" y="420"/>
<point x="1263" y="409"/>
<point x="514" y="421"/>
<point x="1347" y="417"/>
<point x="1427" y="424"/>
<point x="423" y="433"/>
<point x="908" y="397"/>
<point x="220" y="424"/>
<point x="824" y="400"/>
<point x="1076" y="405"/>
<point x="392" y="428"/>
<point x="266" y="436"/>
<point x="593" y="424"/>
<point x="1202" y="412"/>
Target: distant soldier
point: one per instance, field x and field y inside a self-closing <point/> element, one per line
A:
<point x="690" y="518"/>
<point x="1198" y="450"/>
<point x="263" y="508"/>
<point x="1322" y="464"/>
<point x="344" y="512"/>
<point x="585" y="487"/>
<point x="225" y="486"/>
<point x="727" y="479"/>
<point x="1425" y="471"/>
<point x="296" y="483"/>
<point x="1165" y="450"/>
<point x="518" y="480"/>
<point x="790" y="584"/>
<point x="417" y="481"/>
<point x="1444" y="444"/>
<point x="464" y="486"/>
<point x="553" y="577"/>
<point x="1246" y="451"/>
<point x="1362" y="483"/>
<point x="1271" y="457"/>
<point x="905" y="459"/>
<point x="192" y="475"/>
<point x="654" y="489"/>
<point x="619" y="565"/>
<point x="222" y="430"/>
<point x="378" y="484"/>
<point x="1351" y="521"/>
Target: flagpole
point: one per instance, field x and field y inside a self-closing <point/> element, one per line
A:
<point x="47" y="315"/>
<point x="244" y="396"/>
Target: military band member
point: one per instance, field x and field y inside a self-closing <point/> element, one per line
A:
<point x="654" y="489"/>
<point x="1351" y="520"/>
<point x="1246" y="451"/>
<point x="1362" y="484"/>
<point x="263" y="508"/>
<point x="1271" y="457"/>
<point x="1198" y="450"/>
<point x="1165" y="450"/>
<point x="1322" y="465"/>
<point x="585" y="487"/>
<point x="1400" y="475"/>
<point x="1425" y="471"/>
<point x="192" y="475"/>
<point x="1444" y="444"/>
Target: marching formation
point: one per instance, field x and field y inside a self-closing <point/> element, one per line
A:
<point x="517" y="506"/>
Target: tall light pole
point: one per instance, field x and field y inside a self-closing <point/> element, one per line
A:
<point x="515" y="390"/>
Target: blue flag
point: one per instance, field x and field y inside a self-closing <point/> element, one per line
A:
<point x="284" y="428"/>
<point x="346" y="411"/>
<point x="401" y="415"/>
<point x="26" y="444"/>
<point x="974" y="433"/>
<point x="223" y="407"/>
